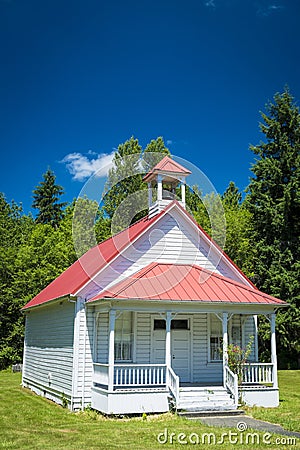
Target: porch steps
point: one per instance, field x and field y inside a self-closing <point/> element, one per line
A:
<point x="196" y="414"/>
<point x="208" y="398"/>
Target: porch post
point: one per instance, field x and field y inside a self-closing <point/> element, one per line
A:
<point x="255" y="338"/>
<point x="225" y="343"/>
<point x="149" y="194"/>
<point x="111" y="349"/>
<point x="273" y="350"/>
<point x="183" y="192"/>
<point x="168" y="338"/>
<point x="159" y="188"/>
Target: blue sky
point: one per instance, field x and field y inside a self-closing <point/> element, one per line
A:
<point x="79" y="77"/>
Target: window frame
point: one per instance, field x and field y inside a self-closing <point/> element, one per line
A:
<point x="209" y="336"/>
<point x="119" y="355"/>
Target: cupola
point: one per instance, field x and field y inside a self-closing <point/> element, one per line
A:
<point x="162" y="181"/>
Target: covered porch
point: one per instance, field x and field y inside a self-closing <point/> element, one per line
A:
<point x="149" y="362"/>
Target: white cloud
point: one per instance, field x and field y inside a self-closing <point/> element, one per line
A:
<point x="266" y="9"/>
<point x="169" y="142"/>
<point x="81" y="167"/>
<point x="262" y="7"/>
<point x="210" y="3"/>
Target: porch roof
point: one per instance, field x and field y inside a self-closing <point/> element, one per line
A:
<point x="182" y="282"/>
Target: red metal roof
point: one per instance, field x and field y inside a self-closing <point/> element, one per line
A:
<point x="168" y="165"/>
<point x="183" y="282"/>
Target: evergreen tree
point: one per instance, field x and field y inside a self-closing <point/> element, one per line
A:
<point x="46" y="200"/>
<point x="232" y="196"/>
<point x="126" y="199"/>
<point x="274" y="202"/>
<point x="154" y="152"/>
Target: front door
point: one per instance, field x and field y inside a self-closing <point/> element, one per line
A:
<point x="180" y="346"/>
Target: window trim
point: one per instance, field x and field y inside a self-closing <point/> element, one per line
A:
<point x="209" y="359"/>
<point x="131" y="342"/>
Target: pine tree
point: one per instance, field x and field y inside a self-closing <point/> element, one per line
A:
<point x="46" y="200"/>
<point x="274" y="202"/>
<point x="154" y="152"/>
<point x="126" y="199"/>
<point x="232" y="196"/>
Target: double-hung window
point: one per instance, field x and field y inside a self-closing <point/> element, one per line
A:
<point x="123" y="337"/>
<point x="215" y="339"/>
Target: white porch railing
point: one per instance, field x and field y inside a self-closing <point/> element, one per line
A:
<point x="258" y="373"/>
<point x="173" y="383"/>
<point x="231" y="383"/>
<point x="101" y="374"/>
<point x="137" y="375"/>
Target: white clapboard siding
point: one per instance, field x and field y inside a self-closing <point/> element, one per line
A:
<point x="249" y="330"/>
<point x="102" y="338"/>
<point x="143" y="338"/>
<point x="90" y="351"/>
<point x="172" y="240"/>
<point x="48" y="361"/>
<point x="235" y="330"/>
<point x="84" y="379"/>
<point x="204" y="371"/>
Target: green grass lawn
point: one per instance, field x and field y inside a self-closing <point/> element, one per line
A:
<point x="28" y="421"/>
<point x="288" y="412"/>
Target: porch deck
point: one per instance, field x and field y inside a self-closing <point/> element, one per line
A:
<point x="137" y="388"/>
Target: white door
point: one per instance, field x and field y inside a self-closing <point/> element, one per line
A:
<point x="180" y="349"/>
<point x="180" y="346"/>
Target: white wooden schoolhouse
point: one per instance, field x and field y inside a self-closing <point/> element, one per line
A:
<point x="142" y="321"/>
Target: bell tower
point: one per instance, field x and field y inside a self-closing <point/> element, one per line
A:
<point x="162" y="181"/>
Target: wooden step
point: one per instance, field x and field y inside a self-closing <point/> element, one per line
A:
<point x="209" y="413"/>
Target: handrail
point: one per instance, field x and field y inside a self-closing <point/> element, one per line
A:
<point x="231" y="383"/>
<point x="257" y="364"/>
<point x="173" y="383"/>
<point x="137" y="365"/>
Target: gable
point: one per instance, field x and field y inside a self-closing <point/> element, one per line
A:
<point x="173" y="238"/>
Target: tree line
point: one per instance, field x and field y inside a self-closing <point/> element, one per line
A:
<point x="262" y="229"/>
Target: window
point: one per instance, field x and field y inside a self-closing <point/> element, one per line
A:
<point x="123" y="337"/>
<point x="176" y="324"/>
<point x="180" y="324"/>
<point x="159" y="324"/>
<point x="216" y="339"/>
